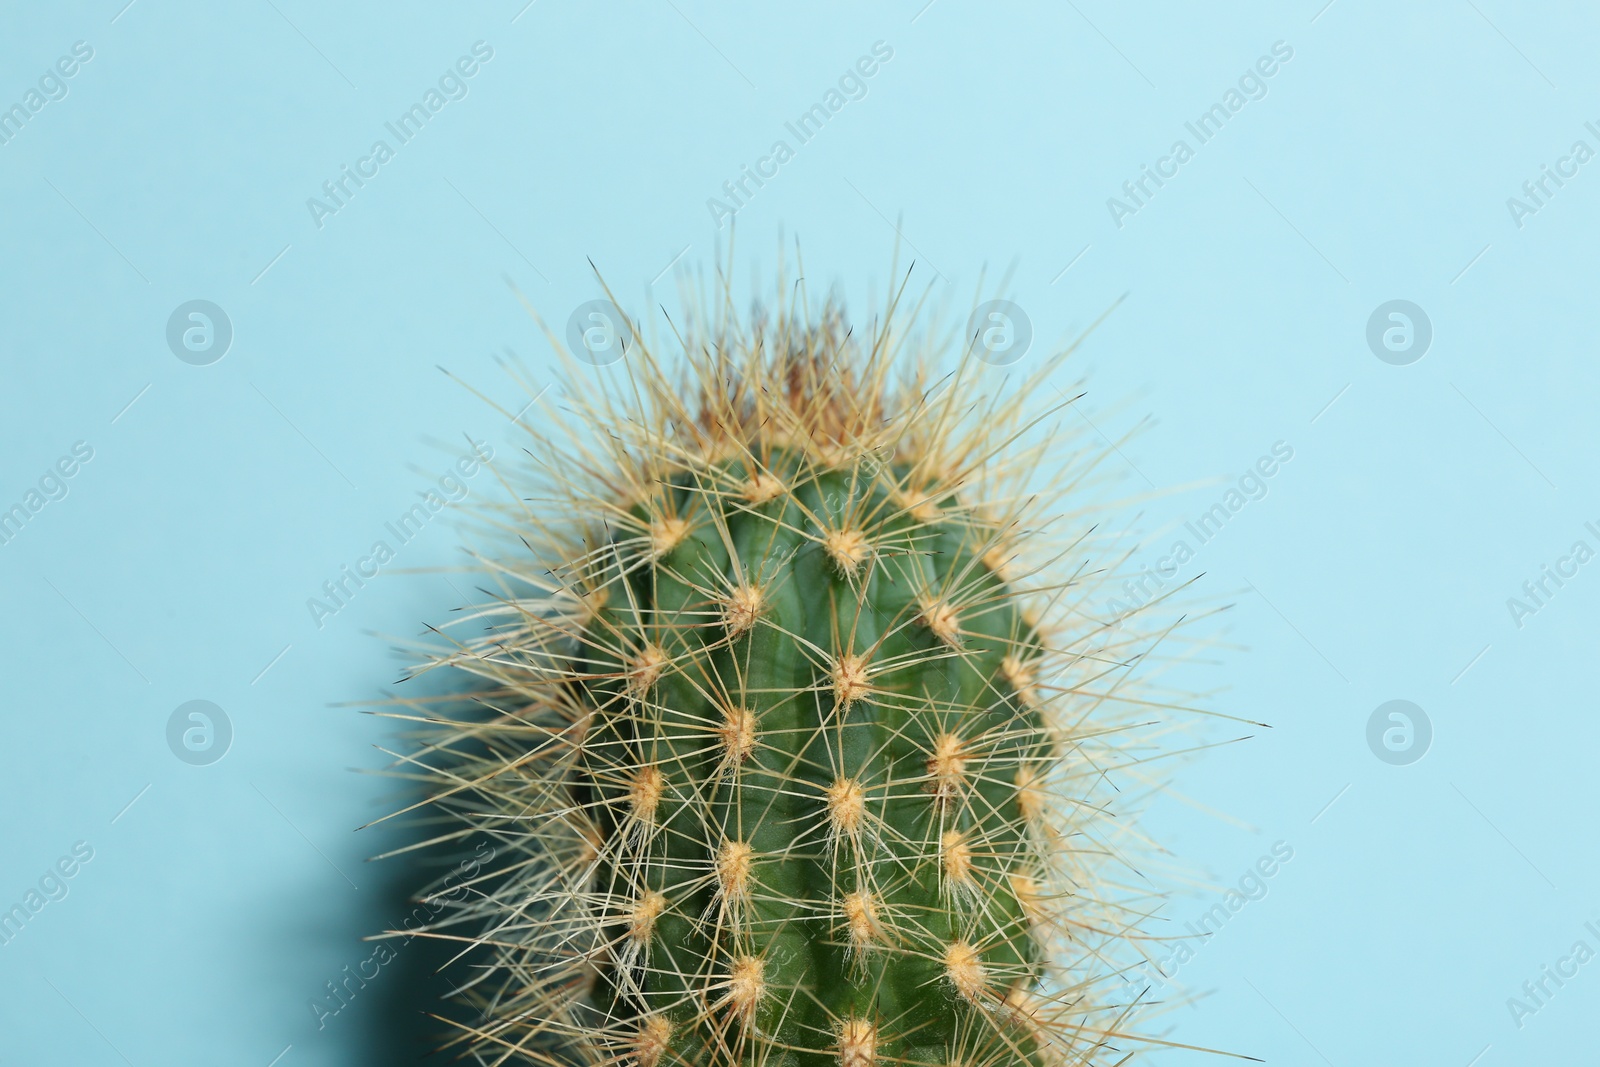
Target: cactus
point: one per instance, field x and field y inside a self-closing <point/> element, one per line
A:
<point x="791" y="727"/>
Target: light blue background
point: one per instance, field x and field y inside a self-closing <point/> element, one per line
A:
<point x="1377" y="167"/>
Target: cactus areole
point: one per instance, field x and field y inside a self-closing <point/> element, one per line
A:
<point x="792" y="749"/>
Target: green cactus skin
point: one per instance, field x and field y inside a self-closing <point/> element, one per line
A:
<point x="863" y="825"/>
<point x="794" y="757"/>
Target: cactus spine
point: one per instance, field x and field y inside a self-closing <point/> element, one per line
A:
<point x="794" y="757"/>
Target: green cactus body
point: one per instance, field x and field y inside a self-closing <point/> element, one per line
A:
<point x="803" y="763"/>
<point x="790" y="755"/>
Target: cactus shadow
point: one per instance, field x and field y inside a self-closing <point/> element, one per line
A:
<point x="406" y="1013"/>
<point x="399" y="1024"/>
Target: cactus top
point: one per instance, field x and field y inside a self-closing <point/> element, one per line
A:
<point x="792" y="756"/>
